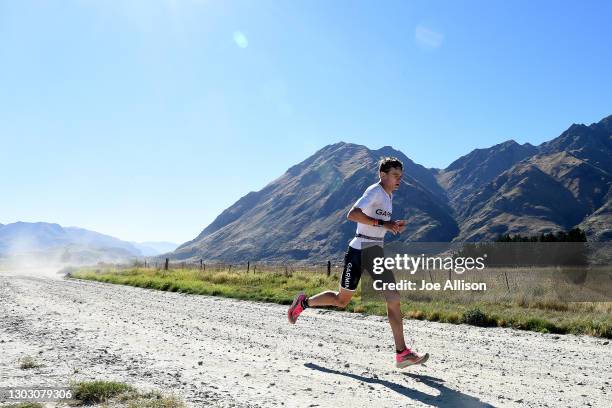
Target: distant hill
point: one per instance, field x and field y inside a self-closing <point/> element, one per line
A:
<point x="62" y="244"/>
<point x="508" y="188"/>
<point x="153" y="248"/>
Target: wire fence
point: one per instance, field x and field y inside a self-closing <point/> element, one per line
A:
<point x="245" y="267"/>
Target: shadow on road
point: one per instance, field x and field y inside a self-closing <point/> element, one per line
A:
<point x="447" y="397"/>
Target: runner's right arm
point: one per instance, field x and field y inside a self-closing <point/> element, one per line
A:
<point x="356" y="215"/>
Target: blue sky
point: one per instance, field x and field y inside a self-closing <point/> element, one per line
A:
<point x="144" y="119"/>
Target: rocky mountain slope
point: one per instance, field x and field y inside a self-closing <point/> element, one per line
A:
<point x="507" y="188"/>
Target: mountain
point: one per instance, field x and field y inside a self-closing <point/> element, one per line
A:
<point x="507" y="188"/>
<point x="598" y="225"/>
<point x="479" y="167"/>
<point x="565" y="184"/>
<point x="25" y="236"/>
<point x="65" y="244"/>
<point x="542" y="194"/>
<point x="93" y="239"/>
<point x="592" y="144"/>
<point x="302" y="214"/>
<point x="153" y="248"/>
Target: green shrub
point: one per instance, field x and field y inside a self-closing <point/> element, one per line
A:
<point x="476" y="317"/>
<point x="93" y="392"/>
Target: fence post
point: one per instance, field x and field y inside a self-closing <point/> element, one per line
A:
<point x="248" y="266"/>
<point x="166" y="265"/>
<point x="328" y="268"/>
<point x="201" y="263"/>
<point x="254" y="268"/>
<point x="230" y="268"/>
<point x="204" y="267"/>
<point x="507" y="284"/>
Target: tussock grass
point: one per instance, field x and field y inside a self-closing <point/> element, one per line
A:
<point x="28" y="362"/>
<point x="121" y="394"/>
<point x="94" y="392"/>
<point x="524" y="311"/>
<point x="151" y="399"/>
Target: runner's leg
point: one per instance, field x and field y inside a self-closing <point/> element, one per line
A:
<point x="394" y="313"/>
<point x="351" y="273"/>
<point x="392" y="297"/>
<point x="331" y="298"/>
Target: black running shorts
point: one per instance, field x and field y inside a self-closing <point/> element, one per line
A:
<point x="356" y="261"/>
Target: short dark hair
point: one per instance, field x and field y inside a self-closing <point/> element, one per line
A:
<point x="387" y="163"/>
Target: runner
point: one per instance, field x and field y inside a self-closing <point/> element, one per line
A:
<point x="372" y="213"/>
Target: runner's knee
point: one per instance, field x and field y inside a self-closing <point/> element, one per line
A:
<point x="393" y="305"/>
<point x="392" y="296"/>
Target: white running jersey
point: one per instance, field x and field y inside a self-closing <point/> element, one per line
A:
<point x="376" y="203"/>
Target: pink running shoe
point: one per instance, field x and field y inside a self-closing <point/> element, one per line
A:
<point x="408" y="357"/>
<point x="296" y="308"/>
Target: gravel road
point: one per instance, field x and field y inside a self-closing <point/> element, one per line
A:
<point x="220" y="352"/>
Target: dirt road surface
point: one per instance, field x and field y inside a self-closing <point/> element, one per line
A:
<point x="221" y="352"/>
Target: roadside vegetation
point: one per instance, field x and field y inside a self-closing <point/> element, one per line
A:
<point x="121" y="394"/>
<point x="28" y="362"/>
<point x="23" y="405"/>
<point x="514" y="310"/>
<point x="110" y="394"/>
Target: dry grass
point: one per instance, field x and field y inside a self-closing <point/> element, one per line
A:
<point x="28" y="362"/>
<point x="120" y="394"/>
